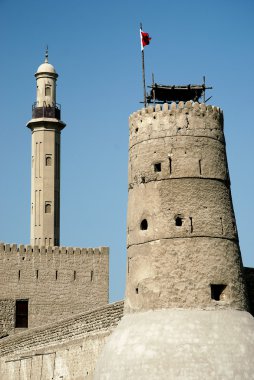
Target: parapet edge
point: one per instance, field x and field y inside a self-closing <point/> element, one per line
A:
<point x="181" y="107"/>
<point x="22" y="249"/>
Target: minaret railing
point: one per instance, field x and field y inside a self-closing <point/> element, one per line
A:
<point x="46" y="111"/>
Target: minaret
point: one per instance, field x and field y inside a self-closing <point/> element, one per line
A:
<point x="186" y="309"/>
<point x="46" y="126"/>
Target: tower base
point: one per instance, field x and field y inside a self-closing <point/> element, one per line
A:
<point x="180" y="344"/>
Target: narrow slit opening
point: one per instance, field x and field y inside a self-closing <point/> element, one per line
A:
<point x="222" y="229"/>
<point x="200" y="168"/>
<point x="170" y="165"/>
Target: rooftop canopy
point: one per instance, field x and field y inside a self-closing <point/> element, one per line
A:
<point x="165" y="93"/>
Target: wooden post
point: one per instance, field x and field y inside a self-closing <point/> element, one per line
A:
<point x="153" y="88"/>
<point x="204" y="89"/>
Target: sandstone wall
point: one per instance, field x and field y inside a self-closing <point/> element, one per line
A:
<point x="7" y="317"/>
<point x="57" y="282"/>
<point x="65" y="350"/>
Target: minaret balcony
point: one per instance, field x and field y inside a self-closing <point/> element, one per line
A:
<point x="46" y="111"/>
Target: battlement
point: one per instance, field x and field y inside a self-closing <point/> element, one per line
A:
<point x="181" y="107"/>
<point x="22" y="249"/>
<point x="182" y="119"/>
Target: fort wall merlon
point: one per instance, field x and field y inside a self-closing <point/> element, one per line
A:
<point x="181" y="107"/>
<point x="56" y="282"/>
<point x="21" y="249"/>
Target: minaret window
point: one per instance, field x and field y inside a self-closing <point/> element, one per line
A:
<point x="47" y="90"/>
<point x="47" y="207"/>
<point x="48" y="160"/>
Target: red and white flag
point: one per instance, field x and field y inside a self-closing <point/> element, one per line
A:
<point x="144" y="39"/>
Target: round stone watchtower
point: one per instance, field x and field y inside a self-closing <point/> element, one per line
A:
<point x="183" y="249"/>
<point x="46" y="126"/>
<point x="186" y="309"/>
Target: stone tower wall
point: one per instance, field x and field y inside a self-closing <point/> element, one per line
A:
<point x="182" y="237"/>
<point x="58" y="282"/>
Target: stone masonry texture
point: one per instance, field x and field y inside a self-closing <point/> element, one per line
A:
<point x="57" y="282"/>
<point x="7" y="317"/>
<point x="179" y="188"/>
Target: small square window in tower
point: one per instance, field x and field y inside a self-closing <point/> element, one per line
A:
<point x="21" y="320"/>
<point x="218" y="292"/>
<point x="157" y="167"/>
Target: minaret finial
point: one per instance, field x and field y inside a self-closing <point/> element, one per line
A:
<point x="46" y="54"/>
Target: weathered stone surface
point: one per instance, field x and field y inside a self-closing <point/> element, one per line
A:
<point x="178" y="273"/>
<point x="7" y="317"/>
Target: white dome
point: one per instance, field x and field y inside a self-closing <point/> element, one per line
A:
<point x="46" y="68"/>
<point x="179" y="344"/>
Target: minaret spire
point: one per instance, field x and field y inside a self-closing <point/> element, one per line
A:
<point x="46" y="54"/>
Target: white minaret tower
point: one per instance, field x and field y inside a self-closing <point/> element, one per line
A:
<point x="46" y="129"/>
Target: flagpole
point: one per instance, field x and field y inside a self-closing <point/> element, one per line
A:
<point x="143" y="69"/>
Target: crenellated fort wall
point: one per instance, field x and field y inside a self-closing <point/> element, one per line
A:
<point x="57" y="282"/>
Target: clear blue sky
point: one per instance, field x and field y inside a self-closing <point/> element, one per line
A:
<point x="95" y="49"/>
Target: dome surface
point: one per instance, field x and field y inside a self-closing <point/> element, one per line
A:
<point x="46" y="68"/>
<point x="177" y="344"/>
